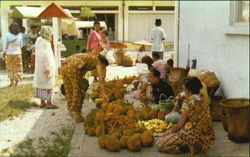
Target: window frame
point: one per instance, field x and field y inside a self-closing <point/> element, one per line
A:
<point x="235" y="27"/>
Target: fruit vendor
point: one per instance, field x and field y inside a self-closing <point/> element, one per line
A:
<point x="73" y="69"/>
<point x="159" y="86"/>
<point x="194" y="131"/>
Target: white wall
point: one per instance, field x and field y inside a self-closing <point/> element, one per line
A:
<point x="203" y="25"/>
<point x="141" y="24"/>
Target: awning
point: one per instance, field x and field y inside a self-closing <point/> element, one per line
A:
<point x="89" y="24"/>
<point x="26" y="12"/>
<point x="68" y="25"/>
<point x="54" y="10"/>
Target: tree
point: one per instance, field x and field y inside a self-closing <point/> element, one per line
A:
<point x="87" y="13"/>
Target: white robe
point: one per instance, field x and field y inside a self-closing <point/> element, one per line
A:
<point x="44" y="60"/>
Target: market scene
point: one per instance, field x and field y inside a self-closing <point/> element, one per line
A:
<point x="153" y="78"/>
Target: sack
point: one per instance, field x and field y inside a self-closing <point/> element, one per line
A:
<point x="172" y="117"/>
<point x="195" y="73"/>
<point x="110" y="57"/>
<point x="166" y="104"/>
<point x="209" y="78"/>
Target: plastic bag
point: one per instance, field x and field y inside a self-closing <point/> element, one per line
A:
<point x="172" y="117"/>
<point x="110" y="57"/>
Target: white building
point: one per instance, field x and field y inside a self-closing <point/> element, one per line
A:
<point x="130" y="20"/>
<point x="218" y="34"/>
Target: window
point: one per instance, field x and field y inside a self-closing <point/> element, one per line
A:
<point x="239" y="12"/>
<point x="164" y="8"/>
<point x="72" y="7"/>
<point x="33" y="6"/>
<point x="140" y="8"/>
<point x="239" y="18"/>
<point x="104" y="8"/>
<point x="14" y="6"/>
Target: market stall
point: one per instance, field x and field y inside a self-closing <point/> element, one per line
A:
<point x="56" y="12"/>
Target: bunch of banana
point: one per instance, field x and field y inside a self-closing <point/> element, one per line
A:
<point x="155" y="125"/>
<point x="169" y="126"/>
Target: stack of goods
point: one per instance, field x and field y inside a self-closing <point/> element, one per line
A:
<point x="115" y="89"/>
<point x="116" y="124"/>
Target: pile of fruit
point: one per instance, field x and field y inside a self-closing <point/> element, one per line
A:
<point x="155" y="125"/>
<point x="115" y="89"/>
<point x="116" y="125"/>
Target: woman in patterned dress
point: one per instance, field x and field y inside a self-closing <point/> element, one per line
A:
<point x="73" y="70"/>
<point x="12" y="45"/>
<point x="194" y="129"/>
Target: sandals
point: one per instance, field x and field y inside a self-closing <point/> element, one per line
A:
<point x="51" y="106"/>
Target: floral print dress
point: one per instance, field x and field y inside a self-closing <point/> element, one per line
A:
<point x="73" y="70"/>
<point x="197" y="131"/>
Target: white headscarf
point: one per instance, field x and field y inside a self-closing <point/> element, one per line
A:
<point x="46" y="32"/>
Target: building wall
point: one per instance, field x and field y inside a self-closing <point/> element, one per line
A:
<point x="122" y="21"/>
<point x="204" y="26"/>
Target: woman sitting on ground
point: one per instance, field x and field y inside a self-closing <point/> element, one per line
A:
<point x="194" y="129"/>
<point x="142" y="83"/>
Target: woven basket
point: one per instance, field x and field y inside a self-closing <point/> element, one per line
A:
<point x="209" y="78"/>
<point x="166" y="104"/>
<point x="127" y="61"/>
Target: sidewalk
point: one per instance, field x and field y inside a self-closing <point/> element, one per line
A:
<point x="4" y="80"/>
<point x="86" y="146"/>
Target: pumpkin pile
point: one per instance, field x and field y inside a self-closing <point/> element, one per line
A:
<point x="115" y="89"/>
<point x="116" y="125"/>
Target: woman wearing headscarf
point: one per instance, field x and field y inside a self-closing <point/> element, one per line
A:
<point x="12" y="45"/>
<point x="45" y="68"/>
<point x="194" y="130"/>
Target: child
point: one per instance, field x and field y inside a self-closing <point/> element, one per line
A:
<point x="104" y="43"/>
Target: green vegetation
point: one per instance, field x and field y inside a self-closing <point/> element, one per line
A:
<point x="15" y="100"/>
<point x="57" y="145"/>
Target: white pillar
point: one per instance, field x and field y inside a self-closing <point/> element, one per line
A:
<point x="55" y="38"/>
<point x="25" y="25"/>
<point x="176" y="34"/>
<point x="126" y="23"/>
<point x="120" y="23"/>
<point x="4" y="19"/>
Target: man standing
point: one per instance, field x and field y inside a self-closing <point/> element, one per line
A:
<point x="158" y="36"/>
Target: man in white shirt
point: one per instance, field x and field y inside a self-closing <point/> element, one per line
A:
<point x="158" y="36"/>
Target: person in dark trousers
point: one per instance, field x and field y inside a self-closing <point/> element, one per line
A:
<point x="159" y="86"/>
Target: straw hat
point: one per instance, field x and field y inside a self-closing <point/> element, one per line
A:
<point x="46" y="32"/>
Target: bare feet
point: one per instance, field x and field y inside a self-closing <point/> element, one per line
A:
<point x="192" y="150"/>
<point x="78" y="118"/>
<point x="16" y="83"/>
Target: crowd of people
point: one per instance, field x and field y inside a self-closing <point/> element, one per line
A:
<point x="193" y="131"/>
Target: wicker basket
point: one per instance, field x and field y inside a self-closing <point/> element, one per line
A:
<point x="119" y="57"/>
<point x="127" y="61"/>
<point x="166" y="104"/>
<point x="209" y="78"/>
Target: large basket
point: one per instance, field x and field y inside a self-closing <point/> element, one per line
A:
<point x="237" y="116"/>
<point x="166" y="104"/>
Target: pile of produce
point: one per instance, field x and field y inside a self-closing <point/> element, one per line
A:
<point x="116" y="125"/>
<point x="115" y="89"/>
<point x="155" y="125"/>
